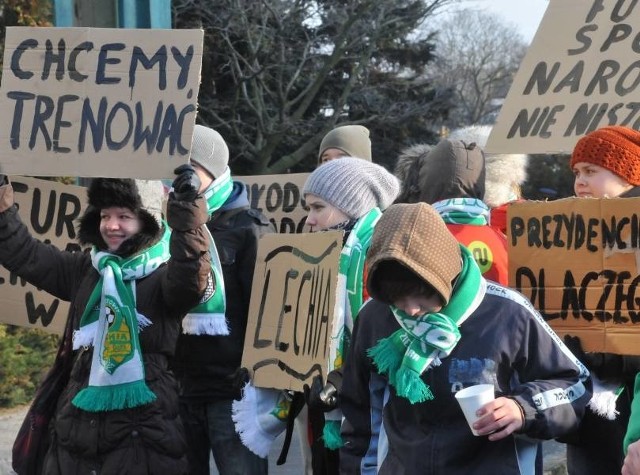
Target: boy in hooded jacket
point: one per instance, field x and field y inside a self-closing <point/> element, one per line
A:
<point x="433" y="327"/>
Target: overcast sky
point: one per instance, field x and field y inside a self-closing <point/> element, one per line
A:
<point x="525" y="15"/>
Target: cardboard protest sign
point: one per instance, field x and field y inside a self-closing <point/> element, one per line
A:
<point x="578" y="261"/>
<point x="98" y="102"/>
<point x="291" y="309"/>
<point x="50" y="210"/>
<point x="280" y="198"/>
<point x="580" y="73"/>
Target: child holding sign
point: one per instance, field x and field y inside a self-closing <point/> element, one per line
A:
<point x="118" y="411"/>
<point x="348" y="194"/>
<point x="606" y="164"/>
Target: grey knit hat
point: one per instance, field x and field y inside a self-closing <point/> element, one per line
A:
<point x="353" y="185"/>
<point x="209" y="150"/>
<point x="353" y="140"/>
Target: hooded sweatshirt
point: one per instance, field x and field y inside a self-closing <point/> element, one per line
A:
<point x="504" y="342"/>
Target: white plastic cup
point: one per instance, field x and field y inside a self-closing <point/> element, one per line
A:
<point x="473" y="398"/>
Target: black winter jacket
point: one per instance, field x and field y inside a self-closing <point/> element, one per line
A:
<point x="206" y="365"/>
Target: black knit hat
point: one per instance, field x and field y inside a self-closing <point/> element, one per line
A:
<point x="112" y="192"/>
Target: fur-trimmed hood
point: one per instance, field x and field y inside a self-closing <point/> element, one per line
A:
<point x="122" y="193"/>
<point x="451" y="169"/>
<point x="505" y="173"/>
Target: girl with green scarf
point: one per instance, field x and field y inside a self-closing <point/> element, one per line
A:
<point x="347" y="194"/>
<point x="118" y="412"/>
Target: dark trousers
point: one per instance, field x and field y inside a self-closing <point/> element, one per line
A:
<point x="597" y="449"/>
<point x="323" y="460"/>
<point x="210" y="429"/>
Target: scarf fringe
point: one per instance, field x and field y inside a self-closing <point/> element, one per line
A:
<point x="603" y="401"/>
<point x="331" y="435"/>
<point x="245" y="415"/>
<point x="386" y="357"/>
<point x="205" y="324"/>
<point x="411" y="386"/>
<point x="109" y="398"/>
<point x="143" y="321"/>
<point x="84" y="335"/>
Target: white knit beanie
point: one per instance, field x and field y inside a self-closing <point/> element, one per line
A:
<point x="209" y="150"/>
<point x="353" y="185"/>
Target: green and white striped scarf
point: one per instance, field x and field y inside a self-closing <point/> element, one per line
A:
<point x="350" y="286"/>
<point x="463" y="211"/>
<point x="208" y="317"/>
<point x="347" y="306"/>
<point x="111" y="323"/>
<point x="423" y="341"/>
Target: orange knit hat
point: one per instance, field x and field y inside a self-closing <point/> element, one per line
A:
<point x="615" y="148"/>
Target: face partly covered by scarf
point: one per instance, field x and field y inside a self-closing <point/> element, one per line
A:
<point x="415" y="237"/>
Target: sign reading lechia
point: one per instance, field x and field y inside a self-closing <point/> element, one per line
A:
<point x="291" y="309"/>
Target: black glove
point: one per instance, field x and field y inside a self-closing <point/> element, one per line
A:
<point x="593" y="361"/>
<point x="573" y="343"/>
<point x="240" y="378"/>
<point x="321" y="397"/>
<point x="186" y="185"/>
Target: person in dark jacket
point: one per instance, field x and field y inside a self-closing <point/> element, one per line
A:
<point x="606" y="164"/>
<point x="208" y="363"/>
<point x="433" y="327"/>
<point x="451" y="177"/>
<point x="505" y="174"/>
<point x="348" y="195"/>
<point x="119" y="410"/>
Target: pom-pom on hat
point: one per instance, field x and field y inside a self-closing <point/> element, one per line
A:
<point x="353" y="185"/>
<point x="209" y="150"/>
<point x="615" y="148"/>
<point x="353" y="140"/>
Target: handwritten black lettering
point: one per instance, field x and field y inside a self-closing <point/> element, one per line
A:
<point x="40" y="312"/>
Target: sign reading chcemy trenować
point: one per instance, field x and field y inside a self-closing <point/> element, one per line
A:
<point x="98" y="101"/>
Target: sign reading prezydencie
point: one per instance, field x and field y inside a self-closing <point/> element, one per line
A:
<point x="578" y="261"/>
